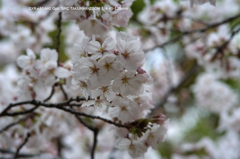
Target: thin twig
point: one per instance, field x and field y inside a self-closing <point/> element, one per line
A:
<point x="94" y="143"/>
<point x="64" y="92"/>
<point x="59" y="33"/>
<point x="37" y="103"/>
<point x="25" y="155"/>
<point x="12" y="124"/>
<point x="61" y="107"/>
<point x="95" y="133"/>
<point x="39" y="4"/>
<point x="93" y="117"/>
<point x="58" y="48"/>
<point x="59" y="146"/>
<point x="194" y="69"/>
<point x="15" y="104"/>
<point x="19" y="148"/>
<point x="192" y="72"/>
<point x="50" y="96"/>
<point x="22" y="112"/>
<point x="202" y="30"/>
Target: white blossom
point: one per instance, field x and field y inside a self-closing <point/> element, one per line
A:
<point x="135" y="148"/>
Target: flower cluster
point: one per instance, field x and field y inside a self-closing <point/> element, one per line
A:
<point x="39" y="75"/>
<point x="217" y="97"/>
<point x="100" y="19"/>
<point x="192" y="2"/>
<point x="111" y="75"/>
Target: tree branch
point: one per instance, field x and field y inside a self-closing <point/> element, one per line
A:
<point x="184" y="33"/>
<point x="194" y="69"/>
<point x="38" y="103"/>
<point x="12" y="124"/>
<point x="61" y="107"/>
<point x="59" y="33"/>
<point x="50" y="96"/>
<point x="24" y="155"/>
<point x="19" y="148"/>
<point x="95" y="133"/>
<point x="58" y="48"/>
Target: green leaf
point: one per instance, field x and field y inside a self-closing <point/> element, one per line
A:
<point x="137" y="7"/>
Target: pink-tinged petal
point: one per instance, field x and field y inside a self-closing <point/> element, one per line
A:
<point x="138" y="57"/>
<point x="136" y="149"/>
<point x="96" y="93"/>
<point x="31" y="54"/>
<point x="122" y="18"/>
<point x="123" y="144"/>
<point x="133" y="46"/>
<point x="131" y="73"/>
<point x="94" y="46"/>
<point x="49" y="55"/>
<point x="88" y="103"/>
<point x="62" y="72"/>
<point x="121" y="45"/>
<point x="114" y="111"/>
<point x="108" y="44"/>
<point x="125" y="37"/>
<point x="87" y="62"/>
<point x="94" y="81"/>
<point x="116" y="85"/>
<point x="130" y="65"/>
<point x="50" y="80"/>
<point x="122" y="36"/>
<point x="82" y="73"/>
<point x="51" y="65"/>
<point x="23" y="61"/>
<point x="96" y="56"/>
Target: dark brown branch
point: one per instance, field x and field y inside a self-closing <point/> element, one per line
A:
<point x="19" y="148"/>
<point x="12" y="124"/>
<point x="15" y="104"/>
<point x="23" y="155"/>
<point x="64" y="92"/>
<point x="202" y="30"/>
<point x="59" y="33"/>
<point x="39" y="4"/>
<point x="224" y="45"/>
<point x="59" y="146"/>
<point x="93" y="117"/>
<point x="95" y="133"/>
<point x="94" y="143"/>
<point x="52" y="92"/>
<point x="37" y="103"/>
<point x="194" y="69"/>
<point x="61" y="107"/>
<point x="22" y="112"/>
<point x="58" y="47"/>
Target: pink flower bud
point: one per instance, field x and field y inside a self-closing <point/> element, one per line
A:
<point x="160" y="118"/>
<point x="140" y="70"/>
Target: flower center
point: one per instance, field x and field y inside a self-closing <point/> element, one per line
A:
<point x="94" y="69"/>
<point x="108" y="66"/>
<point x="125" y="80"/>
<point x="125" y="55"/>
